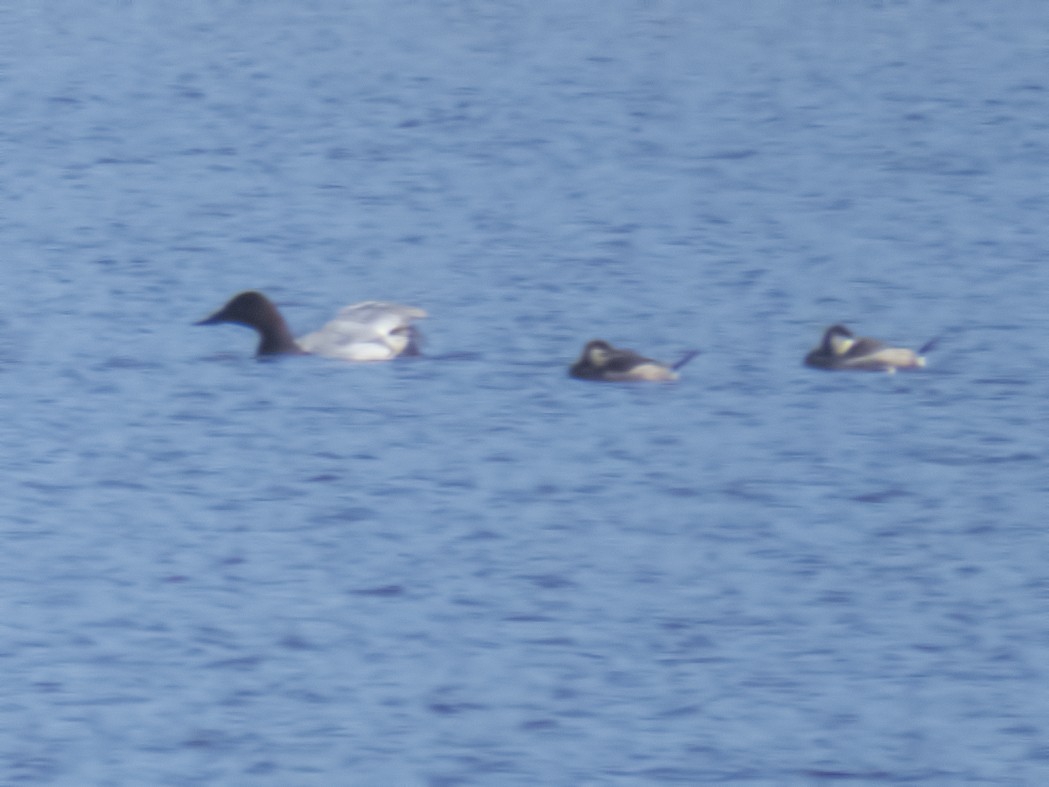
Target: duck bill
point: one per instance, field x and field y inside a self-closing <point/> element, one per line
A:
<point x="214" y="319"/>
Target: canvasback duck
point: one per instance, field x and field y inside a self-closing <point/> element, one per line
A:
<point x="841" y="349"/>
<point x="601" y="361"/>
<point x="368" y="331"/>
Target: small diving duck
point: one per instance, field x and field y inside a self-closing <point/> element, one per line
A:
<point x="841" y="349"/>
<point x="368" y="331"/>
<point x="601" y="361"/>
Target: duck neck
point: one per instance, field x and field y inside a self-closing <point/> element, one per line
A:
<point x="276" y="339"/>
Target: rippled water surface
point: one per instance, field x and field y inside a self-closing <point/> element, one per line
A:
<point x="469" y="568"/>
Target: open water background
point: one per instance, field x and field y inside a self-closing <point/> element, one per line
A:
<point x="470" y="569"/>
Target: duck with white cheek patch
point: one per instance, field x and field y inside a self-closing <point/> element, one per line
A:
<point x="601" y="361"/>
<point x="842" y="350"/>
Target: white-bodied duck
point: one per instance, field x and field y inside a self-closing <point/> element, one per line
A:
<point x="368" y="331"/>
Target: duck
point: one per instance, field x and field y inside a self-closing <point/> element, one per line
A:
<point x="840" y="349"/>
<point x="367" y="331"/>
<point x="601" y="361"/>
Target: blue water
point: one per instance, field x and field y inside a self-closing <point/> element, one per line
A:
<point x="469" y="569"/>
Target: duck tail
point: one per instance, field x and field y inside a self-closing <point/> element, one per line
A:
<point x="685" y="359"/>
<point x="929" y="345"/>
<point x="413" y="348"/>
